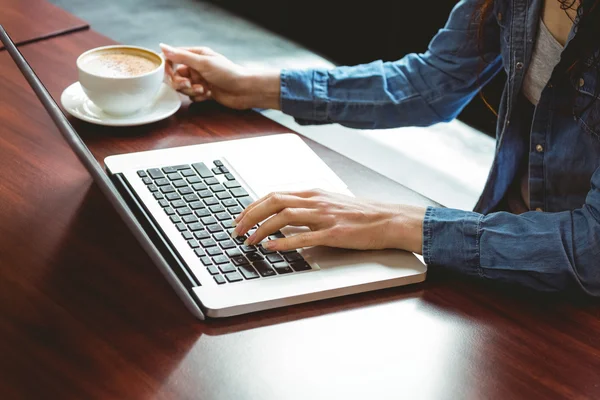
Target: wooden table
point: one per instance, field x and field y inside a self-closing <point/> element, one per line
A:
<point x="33" y="20"/>
<point x="84" y="313"/>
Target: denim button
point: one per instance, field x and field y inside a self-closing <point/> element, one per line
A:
<point x="539" y="148"/>
<point x="519" y="65"/>
<point x="581" y="82"/>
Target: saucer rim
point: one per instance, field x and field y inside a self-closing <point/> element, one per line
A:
<point x="114" y="121"/>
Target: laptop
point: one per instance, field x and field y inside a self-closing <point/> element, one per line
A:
<point x="179" y="203"/>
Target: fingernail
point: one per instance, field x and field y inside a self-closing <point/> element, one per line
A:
<point x="234" y="223"/>
<point x="167" y="49"/>
<point x="186" y="84"/>
<point x="267" y="245"/>
<point x="235" y="233"/>
<point x="199" y="90"/>
<point x="208" y="94"/>
<point x="247" y="242"/>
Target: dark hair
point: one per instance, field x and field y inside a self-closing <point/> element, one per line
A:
<point x="581" y="55"/>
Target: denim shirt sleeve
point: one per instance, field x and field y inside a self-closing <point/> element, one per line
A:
<point x="545" y="251"/>
<point x="417" y="90"/>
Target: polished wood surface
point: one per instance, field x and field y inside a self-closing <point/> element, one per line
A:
<point x="84" y="313"/>
<point x="33" y="20"/>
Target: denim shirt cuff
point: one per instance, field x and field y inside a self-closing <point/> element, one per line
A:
<point x="304" y="94"/>
<point x="451" y="240"/>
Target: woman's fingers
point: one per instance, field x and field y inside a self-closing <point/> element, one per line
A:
<point x="299" y="241"/>
<point x="303" y="194"/>
<point x="273" y="204"/>
<point x="199" y="62"/>
<point x="289" y="216"/>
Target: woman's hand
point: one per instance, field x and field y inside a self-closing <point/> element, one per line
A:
<point x="334" y="220"/>
<point x="202" y="74"/>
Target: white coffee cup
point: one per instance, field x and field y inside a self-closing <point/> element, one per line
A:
<point x="120" y="95"/>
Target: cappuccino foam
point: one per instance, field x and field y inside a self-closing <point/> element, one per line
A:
<point x="119" y="64"/>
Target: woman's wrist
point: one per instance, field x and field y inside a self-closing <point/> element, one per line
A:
<point x="264" y="88"/>
<point x="406" y="229"/>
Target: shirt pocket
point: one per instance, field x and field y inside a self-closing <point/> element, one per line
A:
<point x="587" y="106"/>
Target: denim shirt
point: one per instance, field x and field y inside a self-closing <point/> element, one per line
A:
<point x="554" y="247"/>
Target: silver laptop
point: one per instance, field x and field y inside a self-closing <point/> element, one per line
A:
<point x="180" y="202"/>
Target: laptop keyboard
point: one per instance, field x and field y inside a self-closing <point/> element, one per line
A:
<point x="202" y="202"/>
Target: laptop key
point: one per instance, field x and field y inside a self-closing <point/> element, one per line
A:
<point x="220" y="236"/>
<point x="263" y="268"/>
<point x="158" y="195"/>
<point x="142" y="174"/>
<point x="224" y="170"/>
<point x="184" y="211"/>
<point x="274" y="258"/>
<point x="196" y="205"/>
<point x="202" y="170"/>
<point x="223" y="195"/>
<point x="225" y="268"/>
<point x="167" y="189"/>
<point x="193" y="180"/>
<point x="241" y="239"/>
<point x="193" y="244"/>
<point x="206" y="260"/>
<point x="181" y="227"/>
<point x="216" y="171"/>
<point x="213" y="270"/>
<point x="208" y="220"/>
<point x="173" y="196"/>
<point x="174" y="176"/>
<point x="208" y="243"/>
<point x="215" y="228"/>
<point x="217" y="188"/>
<point x="239" y="192"/>
<point x="202" y="213"/>
<point x="245" y="201"/>
<point x="229" y="177"/>
<point x="155" y="173"/>
<point x="218" y="163"/>
<point x="211" y="201"/>
<point x="162" y="182"/>
<point x="190" y="198"/>
<point x="232" y="184"/>
<point x="169" y="211"/>
<point x="230" y="203"/>
<point x="184" y="191"/>
<point x="227" y="244"/>
<point x="169" y="170"/>
<point x="222" y="216"/>
<point x="227" y="224"/>
<point x="178" y="204"/>
<point x="199" y="252"/>
<point x="163" y="203"/>
<point x="219" y="279"/>
<point x="187" y="235"/>
<point x="294" y="256"/>
<point x="239" y="260"/>
<point x="205" y="193"/>
<point x="233" y="253"/>
<point x="196" y="226"/>
<point x="147" y="180"/>
<point x="187" y="173"/>
<point x="153" y="188"/>
<point x="236" y="210"/>
<point x="190" y="219"/>
<point x="234" y="277"/>
<point x="211" y="181"/>
<point x="199" y="187"/>
<point x="300" y="266"/>
<point x="175" y="219"/>
<point x="254" y="257"/>
<point x="180" y="183"/>
<point x="201" y="234"/>
<point x="248" y="272"/>
<point x="219" y="259"/>
<point x="214" y="251"/>
<point x="265" y="251"/>
<point x="217" y="208"/>
<point x="247" y="249"/>
<point x="282" y="268"/>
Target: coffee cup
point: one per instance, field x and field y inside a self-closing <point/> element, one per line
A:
<point x="119" y="79"/>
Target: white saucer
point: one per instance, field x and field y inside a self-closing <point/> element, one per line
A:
<point x="77" y="104"/>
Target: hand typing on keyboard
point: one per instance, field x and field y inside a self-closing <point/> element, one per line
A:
<point x="334" y="220"/>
